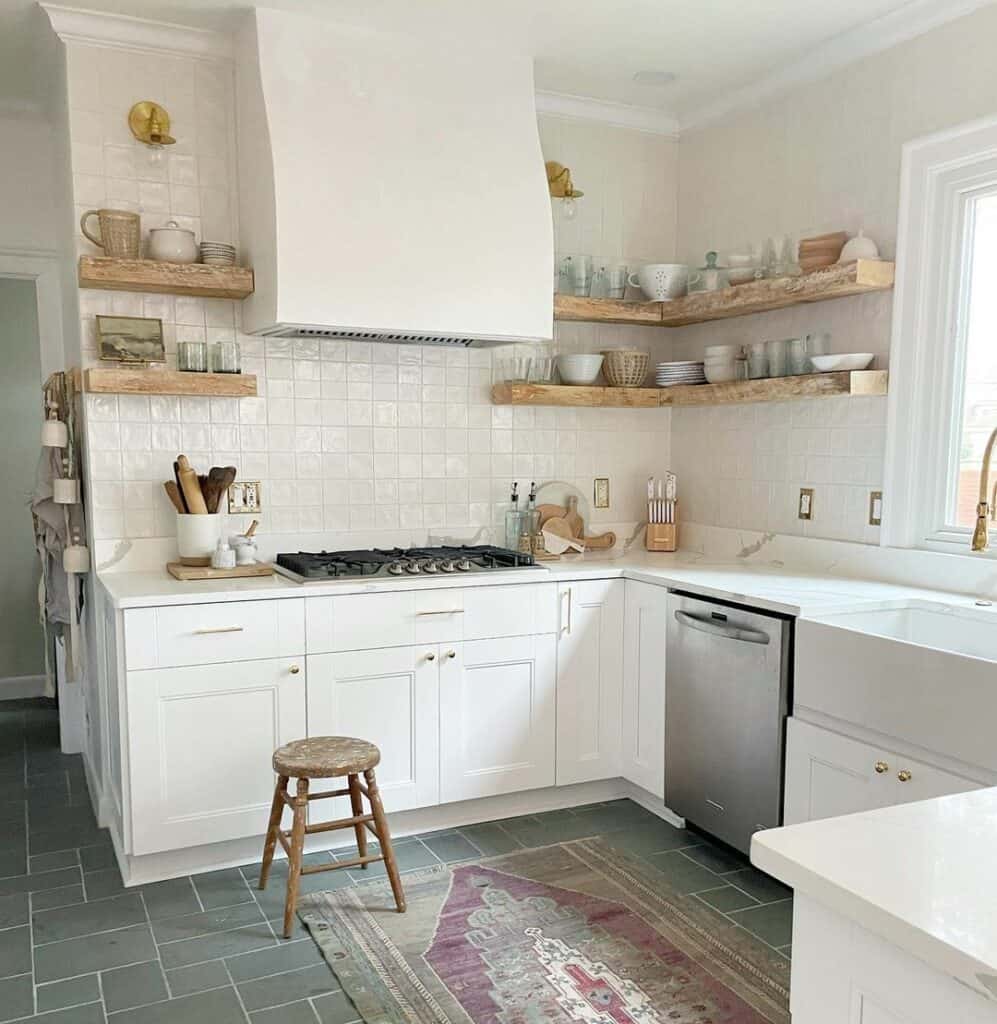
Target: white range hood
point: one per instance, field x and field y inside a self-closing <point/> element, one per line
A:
<point x="389" y="190"/>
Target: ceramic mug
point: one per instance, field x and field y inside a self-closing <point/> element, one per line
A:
<point x="661" y="282"/>
<point x="119" y="232"/>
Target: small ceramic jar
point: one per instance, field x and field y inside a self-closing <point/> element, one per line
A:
<point x="172" y="244"/>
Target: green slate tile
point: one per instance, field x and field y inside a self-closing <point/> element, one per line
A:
<point x="66" y="959"/>
<point x="615" y="815"/>
<point x="303" y="983"/>
<point x="72" y="992"/>
<point x="14" y="910"/>
<point x="184" y="981"/>
<point x="293" y="1013"/>
<point x="91" y="1013"/>
<point x="15" y="951"/>
<point x="217" y="945"/>
<point x="683" y="874"/>
<point x="650" y="838"/>
<point x="772" y="922"/>
<point x="728" y="898"/>
<point x="171" y="898"/>
<point x="285" y="957"/>
<point x="88" y="918"/>
<point x="52" y="861"/>
<point x="172" y="929"/>
<point x="454" y="847"/>
<point x="136" y="985"/>
<point x="336" y="1008"/>
<point x="763" y="887"/>
<point x="16" y="997"/>
<point x="51" y="898"/>
<point x="222" y="888"/>
<point x="717" y="859"/>
<point x="410" y="855"/>
<point x="492" y="840"/>
<point x="94" y="858"/>
<point x="65" y="838"/>
<point x="103" y="883"/>
<point x="219" y="1006"/>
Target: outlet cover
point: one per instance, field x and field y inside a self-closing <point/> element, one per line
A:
<point x="875" y="508"/>
<point x="244" y="496"/>
<point x="806" y="510"/>
<point x="600" y="492"/>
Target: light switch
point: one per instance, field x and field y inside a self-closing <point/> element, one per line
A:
<point x="806" y="510"/>
<point x="244" y="496"/>
<point x="600" y="492"/>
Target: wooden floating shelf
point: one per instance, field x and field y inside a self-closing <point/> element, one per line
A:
<point x="773" y="389"/>
<point x="834" y="282"/>
<point x="165" y="278"/>
<point x="115" y="381"/>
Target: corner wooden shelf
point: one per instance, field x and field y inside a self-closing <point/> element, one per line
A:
<point x="516" y="393"/>
<point x="835" y="282"/>
<point x="774" y="389"/>
<point x="116" y="381"/>
<point x="197" y="279"/>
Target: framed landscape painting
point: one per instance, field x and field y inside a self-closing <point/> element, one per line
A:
<point x="130" y="339"/>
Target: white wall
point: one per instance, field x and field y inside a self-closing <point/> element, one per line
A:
<point x="354" y="443"/>
<point x="28" y="218"/>
<point x="825" y="156"/>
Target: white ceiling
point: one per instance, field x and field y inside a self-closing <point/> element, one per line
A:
<point x="589" y="48"/>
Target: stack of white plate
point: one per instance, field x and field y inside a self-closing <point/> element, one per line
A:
<point x="218" y="254"/>
<point x="668" y="374"/>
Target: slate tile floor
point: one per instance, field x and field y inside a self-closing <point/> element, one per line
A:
<point x="76" y="947"/>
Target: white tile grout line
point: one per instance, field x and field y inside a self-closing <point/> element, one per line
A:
<point x="235" y="988"/>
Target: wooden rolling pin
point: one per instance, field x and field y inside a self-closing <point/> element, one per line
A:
<point x="190" y="487"/>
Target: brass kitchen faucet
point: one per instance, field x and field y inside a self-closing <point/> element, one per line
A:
<point x="983" y="509"/>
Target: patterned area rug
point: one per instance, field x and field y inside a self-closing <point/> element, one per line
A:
<point x="576" y="932"/>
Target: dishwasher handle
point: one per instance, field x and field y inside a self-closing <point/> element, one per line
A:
<point x="749" y="636"/>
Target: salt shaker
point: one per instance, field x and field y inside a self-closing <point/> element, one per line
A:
<point x="223" y="556"/>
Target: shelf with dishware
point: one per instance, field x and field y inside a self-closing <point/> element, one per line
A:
<point x="136" y="275"/>
<point x="122" y="381"/>
<point x="772" y="389"/>
<point x="834" y="282"/>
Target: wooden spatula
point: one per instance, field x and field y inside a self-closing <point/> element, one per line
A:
<point x="173" y="492"/>
<point x="220" y="479"/>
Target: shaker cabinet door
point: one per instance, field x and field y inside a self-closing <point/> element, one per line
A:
<point x="200" y="743"/>
<point x="589" y="681"/>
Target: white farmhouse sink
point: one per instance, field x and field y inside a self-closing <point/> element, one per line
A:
<point x="922" y="671"/>
<point x="958" y="630"/>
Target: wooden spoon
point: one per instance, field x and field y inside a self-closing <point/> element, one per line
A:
<point x="173" y="493"/>
<point x="220" y="479"/>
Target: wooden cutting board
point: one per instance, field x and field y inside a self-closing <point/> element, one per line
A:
<point x="205" y="572"/>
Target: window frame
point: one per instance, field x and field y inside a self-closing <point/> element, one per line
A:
<point x="941" y="176"/>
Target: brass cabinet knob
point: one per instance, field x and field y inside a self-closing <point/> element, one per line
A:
<point x="451" y="654"/>
<point x="881" y="767"/>
<point x="295" y="669"/>
<point x="430" y="656"/>
<point x="904" y="775"/>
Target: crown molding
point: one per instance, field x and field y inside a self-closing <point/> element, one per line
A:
<point x="96" y="28"/>
<point x="882" y="33"/>
<point x="618" y="115"/>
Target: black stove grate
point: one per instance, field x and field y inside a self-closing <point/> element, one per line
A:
<point x="332" y="564"/>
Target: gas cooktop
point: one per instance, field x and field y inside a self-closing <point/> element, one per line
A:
<point x="400" y="563"/>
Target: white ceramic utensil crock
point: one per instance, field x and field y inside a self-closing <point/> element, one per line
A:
<point x="198" y="536"/>
<point x="661" y="282"/>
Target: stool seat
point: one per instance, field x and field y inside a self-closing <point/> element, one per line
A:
<point x="324" y="757"/>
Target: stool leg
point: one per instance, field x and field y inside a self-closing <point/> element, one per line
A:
<point x="276" y="810"/>
<point x="384" y="837"/>
<point x="297" y="850"/>
<point x="356" y="802"/>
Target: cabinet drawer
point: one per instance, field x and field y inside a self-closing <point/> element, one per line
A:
<point x="357" y="622"/>
<point x="205" y="634"/>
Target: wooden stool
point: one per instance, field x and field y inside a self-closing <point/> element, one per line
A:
<point x="326" y="757"/>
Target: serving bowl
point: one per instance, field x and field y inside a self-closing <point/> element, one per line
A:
<point x="842" y="361"/>
<point x="579" y="368"/>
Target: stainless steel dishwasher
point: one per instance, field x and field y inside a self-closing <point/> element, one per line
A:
<point x="726" y="701"/>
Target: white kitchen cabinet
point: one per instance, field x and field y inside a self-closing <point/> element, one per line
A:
<point x="200" y="740"/>
<point x="391" y="698"/>
<point x="497" y="716"/>
<point x="643" y="723"/>
<point x="589" y="680"/>
<point x="828" y="774"/>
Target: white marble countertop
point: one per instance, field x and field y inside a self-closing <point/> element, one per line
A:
<point x="919" y="875"/>
<point x="778" y="589"/>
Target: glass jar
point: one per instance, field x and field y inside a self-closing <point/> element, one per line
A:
<point x="797" y="358"/>
<point x="225" y="357"/>
<point x="192" y="356"/>
<point x="776" y="352"/>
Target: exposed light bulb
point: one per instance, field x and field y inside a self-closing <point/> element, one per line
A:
<point x="156" y="154"/>
<point x="569" y="208"/>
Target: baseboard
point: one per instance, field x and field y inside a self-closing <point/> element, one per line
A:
<point x="20" y="687"/>
<point x="155" y="867"/>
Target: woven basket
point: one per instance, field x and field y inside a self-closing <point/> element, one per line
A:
<point x="625" y="367"/>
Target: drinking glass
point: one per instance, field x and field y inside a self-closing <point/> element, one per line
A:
<point x="797" y="358"/>
<point x="225" y="357"/>
<point x="575" y="275"/>
<point x="776" y="352"/>
<point x="609" y="281"/>
<point x="192" y="356"/>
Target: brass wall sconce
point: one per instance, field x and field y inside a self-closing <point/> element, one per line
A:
<point x="560" y="186"/>
<point x="150" y="124"/>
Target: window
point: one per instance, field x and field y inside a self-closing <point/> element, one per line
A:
<point x="943" y="355"/>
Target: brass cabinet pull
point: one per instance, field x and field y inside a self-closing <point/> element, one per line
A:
<point x="881" y="767"/>
<point x="451" y="654"/>
<point x="220" y="629"/>
<point x="294" y="670"/>
<point x="448" y="611"/>
<point x="430" y="656"/>
<point x="904" y="775"/>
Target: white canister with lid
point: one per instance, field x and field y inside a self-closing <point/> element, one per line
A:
<point x="172" y="244"/>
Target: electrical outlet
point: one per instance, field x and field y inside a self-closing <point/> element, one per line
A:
<point x="600" y="492"/>
<point x="875" y="508"/>
<point x="244" y="496"/>
<point x="806" y="510"/>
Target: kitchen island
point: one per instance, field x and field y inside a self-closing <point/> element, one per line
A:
<point x="895" y="912"/>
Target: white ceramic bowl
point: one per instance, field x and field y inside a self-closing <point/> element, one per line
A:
<point x="719" y="374"/>
<point x="718" y="350"/>
<point x="579" y="368"/>
<point x="842" y="361"/>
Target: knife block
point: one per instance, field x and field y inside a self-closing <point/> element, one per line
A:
<point x="661" y="536"/>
